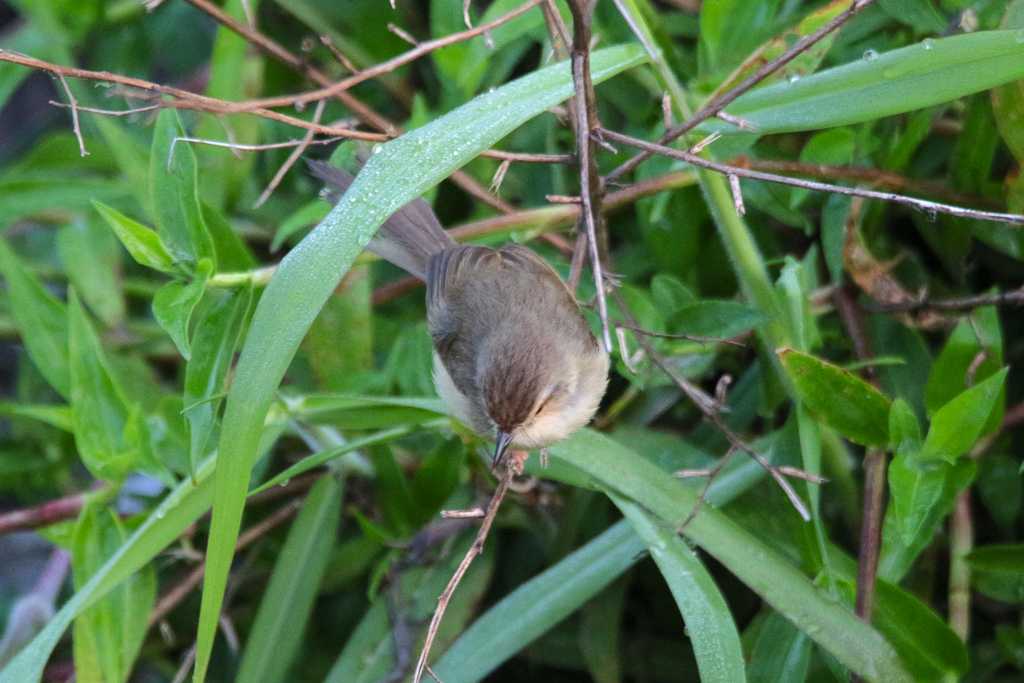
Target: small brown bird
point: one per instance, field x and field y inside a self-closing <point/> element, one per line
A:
<point x="513" y="356"/>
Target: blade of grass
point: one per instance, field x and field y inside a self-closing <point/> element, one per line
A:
<point x="396" y="173"/>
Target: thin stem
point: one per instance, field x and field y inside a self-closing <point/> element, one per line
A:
<point x="960" y="544"/>
<point x="719" y="103"/>
<point x="929" y="207"/>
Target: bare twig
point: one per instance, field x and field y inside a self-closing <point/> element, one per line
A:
<point x="529" y="157"/>
<point x="169" y="600"/>
<point x="403" y="34"/>
<point x="710" y="409"/>
<point x="715" y="106"/>
<point x="43" y="514"/>
<point x="1014" y="297"/>
<point x="338" y="54"/>
<point x="238" y="146"/>
<point x="474" y="550"/>
<point x="586" y="125"/>
<point x="687" y="337"/>
<point x="306" y="141"/>
<point x="874" y="469"/>
<point x="109" y="112"/>
<point x="737" y="194"/>
<point x="929" y="207"/>
<point x="73" y="104"/>
<point x="388" y="66"/>
<point x="183" y="99"/>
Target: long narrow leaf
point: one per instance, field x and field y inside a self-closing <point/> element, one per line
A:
<point x="716" y="643"/>
<point x="398" y="172"/>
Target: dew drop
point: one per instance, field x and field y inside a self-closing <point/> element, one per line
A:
<point x="793" y="78"/>
<point x="300" y="106"/>
<point x="928" y="44"/>
<point x="377" y="148"/>
<point x="160" y="513"/>
<point x="870" y="55"/>
<point x="285" y="482"/>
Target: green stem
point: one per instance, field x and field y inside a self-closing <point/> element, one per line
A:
<point x="257" y="278"/>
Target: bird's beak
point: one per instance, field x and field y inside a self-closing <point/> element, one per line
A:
<point x="501" y="445"/>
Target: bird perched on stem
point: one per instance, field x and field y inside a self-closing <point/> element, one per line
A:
<point x="514" y="358"/>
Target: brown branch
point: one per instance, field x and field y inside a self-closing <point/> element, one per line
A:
<point x="460" y="571"/>
<point x="529" y="158"/>
<point x="173" y="597"/>
<point x="44" y="514"/>
<point x="716" y="105"/>
<point x="1014" y="297"/>
<point x="924" y="205"/>
<point x="183" y="99"/>
<point x="874" y="176"/>
<point x="292" y="158"/>
<point x="360" y="109"/>
<point x="874" y="468"/>
<point x="382" y="68"/>
<point x="586" y="125"/>
<point x="73" y="105"/>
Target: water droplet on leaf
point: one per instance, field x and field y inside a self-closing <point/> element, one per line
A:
<point x="870" y="55"/>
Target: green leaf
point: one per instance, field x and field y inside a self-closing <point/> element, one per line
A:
<point x="600" y="632"/>
<point x="780" y="652"/>
<point x="928" y="647"/>
<point x="922" y="495"/>
<point x="998" y="571"/>
<point x="369" y="653"/>
<point x="181" y="507"/>
<point x="839" y="398"/>
<point x="41" y="320"/>
<point x="921" y="15"/>
<point x="915" y="77"/>
<point x="93" y="264"/>
<point x="108" y="635"/>
<point x="834" y="147"/>
<point x="232" y="252"/>
<point x="904" y="429"/>
<point x="1008" y="100"/>
<point x="110" y="434"/>
<point x="400" y="171"/>
<point x="538" y="605"/>
<point x="213" y="345"/>
<point x="957" y="425"/>
<point x="144" y="244"/>
<point x="287" y="603"/>
<point x="56" y="416"/>
<point x="173" y="192"/>
<point x="731" y="29"/>
<point x="710" y="318"/>
<point x="713" y="635"/>
<point x="173" y="305"/>
<point x="980" y="336"/>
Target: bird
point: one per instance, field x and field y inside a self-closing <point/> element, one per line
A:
<point x="513" y="357"/>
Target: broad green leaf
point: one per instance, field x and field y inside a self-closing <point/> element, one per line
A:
<point x="1008" y="100"/>
<point x="174" y="193"/>
<point x="957" y="425"/>
<point x="710" y="318"/>
<point x="24" y="196"/>
<point x="400" y="171"/>
<point x="928" y="647"/>
<point x="41" y="320"/>
<point x="232" y="252"/>
<point x="369" y="653"/>
<point x="287" y="603"/>
<point x="353" y="411"/>
<point x="904" y="429"/>
<point x="999" y="487"/>
<point x="108" y="635"/>
<point x="998" y="571"/>
<point x="235" y="74"/>
<point x="144" y="244"/>
<point x="922" y="494"/>
<point x="709" y="623"/>
<point x="839" y="398"/>
<point x="93" y="264"/>
<point x="980" y="336"/>
<point x="780" y="652"/>
<point x="915" y="77"/>
<point x="921" y="15"/>
<point x="731" y="29"/>
<point x="213" y="345"/>
<point x="805" y="63"/>
<point x="110" y="433"/>
<point x="347" y="314"/>
<point x="174" y="303"/>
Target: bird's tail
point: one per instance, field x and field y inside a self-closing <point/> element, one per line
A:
<point x="407" y="239"/>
